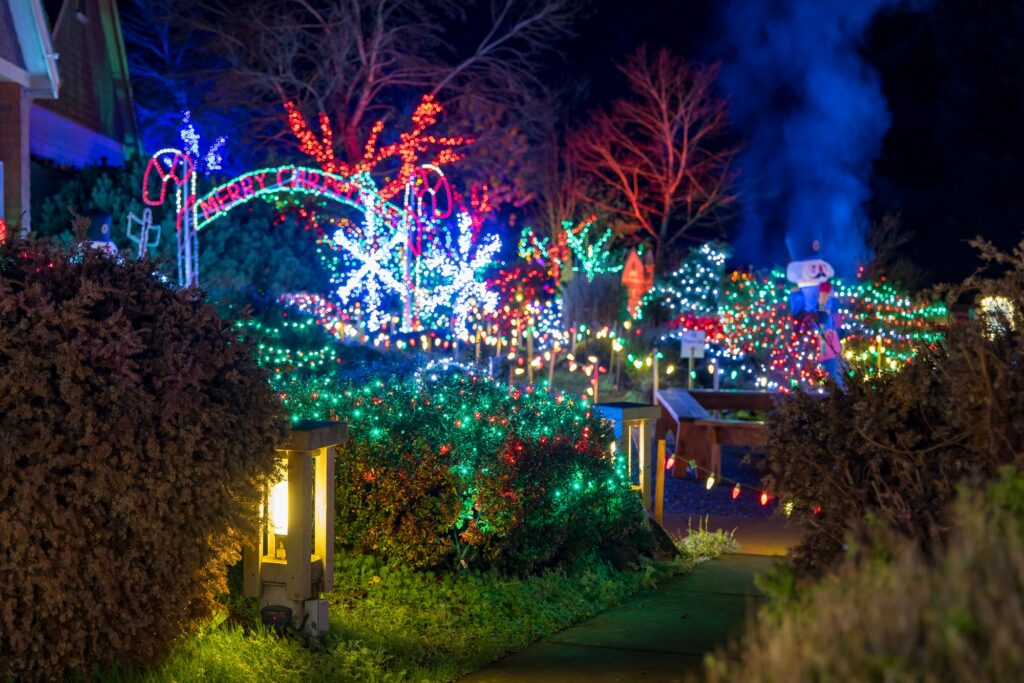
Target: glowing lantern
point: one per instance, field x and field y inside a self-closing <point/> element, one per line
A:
<point x="292" y="561"/>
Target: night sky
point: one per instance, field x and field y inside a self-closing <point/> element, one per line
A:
<point x="928" y="126"/>
<point x="951" y="72"/>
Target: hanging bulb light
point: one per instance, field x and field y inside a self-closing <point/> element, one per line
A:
<point x="736" y="492"/>
<point x="710" y="482"/>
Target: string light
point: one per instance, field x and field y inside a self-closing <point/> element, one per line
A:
<point x="407" y="149"/>
<point x="693" y="288"/>
<point x="207" y="162"/>
<point x="591" y="255"/>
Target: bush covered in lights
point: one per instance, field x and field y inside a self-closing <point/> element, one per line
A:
<point x="895" y="447"/>
<point x="138" y="432"/>
<point x="449" y="468"/>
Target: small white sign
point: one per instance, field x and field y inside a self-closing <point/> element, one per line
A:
<point x="691" y="343"/>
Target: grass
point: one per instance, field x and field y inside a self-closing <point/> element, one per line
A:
<point x="703" y="544"/>
<point x="397" y="624"/>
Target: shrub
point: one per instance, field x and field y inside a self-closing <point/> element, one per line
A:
<point x="448" y="468"/>
<point x="894" y="449"/>
<point x="137" y="434"/>
<point x="958" y="618"/>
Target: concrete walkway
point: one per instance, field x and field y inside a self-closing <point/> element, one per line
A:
<point x="657" y="635"/>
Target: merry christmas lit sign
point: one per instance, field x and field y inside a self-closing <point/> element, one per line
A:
<point x="288" y="179"/>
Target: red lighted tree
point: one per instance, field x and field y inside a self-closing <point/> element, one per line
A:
<point x="655" y="162"/>
<point x="401" y="157"/>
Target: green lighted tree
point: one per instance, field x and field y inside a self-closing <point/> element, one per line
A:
<point x="592" y="255"/>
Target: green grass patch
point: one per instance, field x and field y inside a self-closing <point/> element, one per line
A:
<point x="397" y="624"/>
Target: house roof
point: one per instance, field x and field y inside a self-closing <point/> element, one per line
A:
<point x="29" y="59"/>
<point x="96" y="89"/>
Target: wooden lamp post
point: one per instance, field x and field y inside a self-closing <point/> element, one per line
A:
<point x="633" y="424"/>
<point x="292" y="562"/>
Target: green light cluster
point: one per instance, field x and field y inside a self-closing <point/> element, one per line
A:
<point x="533" y="474"/>
<point x="592" y="255"/>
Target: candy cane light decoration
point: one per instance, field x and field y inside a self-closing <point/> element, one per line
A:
<point x="174" y="166"/>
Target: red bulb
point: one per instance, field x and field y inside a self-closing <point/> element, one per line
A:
<point x="736" y="492"/>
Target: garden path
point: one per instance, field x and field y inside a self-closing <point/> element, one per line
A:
<point x="657" y="635"/>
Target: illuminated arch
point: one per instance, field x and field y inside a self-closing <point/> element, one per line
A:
<point x="426" y="200"/>
<point x="291" y="179"/>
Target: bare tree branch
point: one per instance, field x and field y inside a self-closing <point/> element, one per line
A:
<point x="363" y="60"/>
<point x="654" y="161"/>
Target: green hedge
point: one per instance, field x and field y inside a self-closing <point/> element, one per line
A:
<point x="448" y="468"/>
<point x="137" y="434"/>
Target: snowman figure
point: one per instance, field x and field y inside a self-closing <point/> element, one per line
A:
<point x="807" y="275"/>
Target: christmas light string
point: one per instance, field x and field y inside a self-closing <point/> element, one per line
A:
<point x="407" y="150"/>
<point x="592" y="255"/>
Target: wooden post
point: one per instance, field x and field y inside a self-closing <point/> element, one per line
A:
<point x="551" y="369"/>
<point x="689" y="374"/>
<point x="654" y="392"/>
<point x="323" y="497"/>
<point x="529" y="355"/>
<point x="512" y="351"/>
<point x="297" y="546"/>
<point x="659" y="485"/>
<point x="497" y="354"/>
<point x="643" y="458"/>
<point x="478" y="345"/>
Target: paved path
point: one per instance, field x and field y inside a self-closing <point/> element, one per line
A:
<point x="657" y="635"/>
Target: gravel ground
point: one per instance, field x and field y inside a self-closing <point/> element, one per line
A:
<point x="691" y="497"/>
